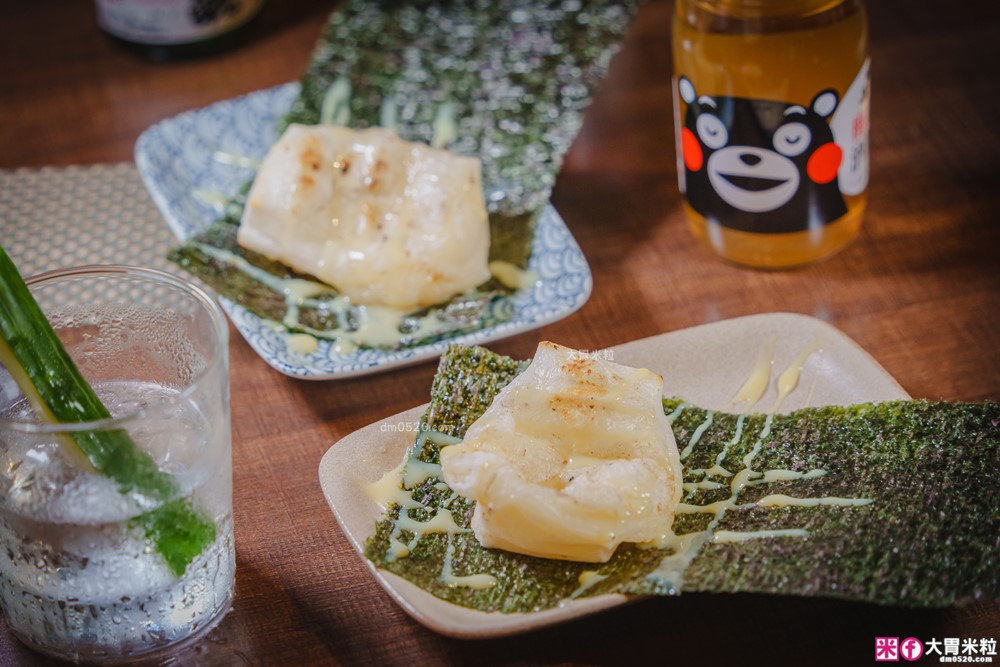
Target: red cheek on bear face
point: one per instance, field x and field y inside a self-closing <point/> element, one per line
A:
<point x="693" y="157"/>
<point x="824" y="163"/>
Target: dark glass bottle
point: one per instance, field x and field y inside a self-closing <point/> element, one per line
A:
<point x="176" y="29"/>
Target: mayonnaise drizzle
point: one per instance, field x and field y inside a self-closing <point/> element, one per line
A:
<point x="389" y="114"/>
<point x="388" y="489"/>
<point x="684" y="548"/>
<point x="336" y="106"/>
<point x="758" y="380"/>
<point x="717" y="470"/>
<point x="302" y="343"/>
<point x="445" y="127"/>
<point x="395" y="488"/>
<point x="216" y="200"/>
<point x="376" y="325"/>
<point x="677" y="412"/>
<point x="698" y="432"/>
<point x="588" y="579"/>
<point x="669" y="575"/>
<point x="235" y="160"/>
<point x="473" y="581"/>
<point x="789" y="379"/>
<point x="723" y="536"/>
<point x="513" y="276"/>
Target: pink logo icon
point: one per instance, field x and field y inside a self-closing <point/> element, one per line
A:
<point x="911" y="649"/>
<point x="887" y="649"/>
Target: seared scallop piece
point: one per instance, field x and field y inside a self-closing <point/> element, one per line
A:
<point x="384" y="221"/>
<point x="572" y="458"/>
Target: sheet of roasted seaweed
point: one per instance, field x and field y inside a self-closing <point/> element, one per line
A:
<point x="514" y="75"/>
<point x="929" y="538"/>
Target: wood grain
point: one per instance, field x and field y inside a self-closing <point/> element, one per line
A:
<point x="920" y="290"/>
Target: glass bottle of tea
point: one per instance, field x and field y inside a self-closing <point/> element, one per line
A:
<point x="771" y="119"/>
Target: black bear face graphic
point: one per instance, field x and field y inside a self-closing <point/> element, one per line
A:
<point x="760" y="165"/>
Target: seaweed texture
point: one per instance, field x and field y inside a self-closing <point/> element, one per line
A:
<point x="516" y="77"/>
<point x="928" y="538"/>
<point x="517" y="74"/>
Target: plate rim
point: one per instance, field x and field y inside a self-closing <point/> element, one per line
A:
<point x="472" y="623"/>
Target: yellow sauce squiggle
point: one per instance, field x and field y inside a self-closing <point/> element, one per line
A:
<point x="670" y="573"/>
<point x="376" y="325"/>
<point x="392" y="489"/>
<point x="395" y="488"/>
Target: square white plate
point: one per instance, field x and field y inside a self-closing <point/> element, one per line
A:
<point x="705" y="365"/>
<point x="177" y="158"/>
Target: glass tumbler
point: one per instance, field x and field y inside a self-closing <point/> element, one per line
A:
<point x="84" y="560"/>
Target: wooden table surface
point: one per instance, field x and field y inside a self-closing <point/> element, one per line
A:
<point x="920" y="290"/>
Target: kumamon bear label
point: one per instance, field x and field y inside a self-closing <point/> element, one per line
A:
<point x="772" y="166"/>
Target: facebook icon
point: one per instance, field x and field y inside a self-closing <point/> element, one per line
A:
<point x="911" y="649"/>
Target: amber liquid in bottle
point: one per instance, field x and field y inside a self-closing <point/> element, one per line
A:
<point x="787" y="51"/>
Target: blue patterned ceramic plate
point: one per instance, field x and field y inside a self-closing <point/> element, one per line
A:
<point x="177" y="159"/>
